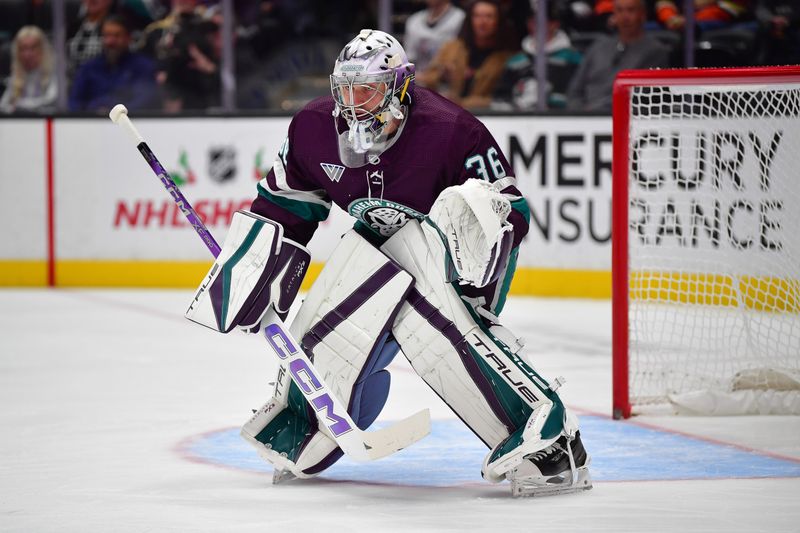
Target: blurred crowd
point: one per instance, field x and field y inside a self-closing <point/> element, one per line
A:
<point x="167" y="55"/>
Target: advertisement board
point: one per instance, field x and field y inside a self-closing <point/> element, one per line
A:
<point x="111" y="211"/>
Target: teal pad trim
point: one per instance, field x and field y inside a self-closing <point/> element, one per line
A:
<point x="228" y="267"/>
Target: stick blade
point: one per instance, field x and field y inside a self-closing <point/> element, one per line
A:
<point x="400" y="435"/>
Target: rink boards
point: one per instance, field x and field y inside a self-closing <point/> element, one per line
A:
<point x="80" y="207"/>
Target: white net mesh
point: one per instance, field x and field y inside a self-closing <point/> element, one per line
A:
<point x="714" y="238"/>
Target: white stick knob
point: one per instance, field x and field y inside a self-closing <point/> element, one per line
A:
<point x="119" y="115"/>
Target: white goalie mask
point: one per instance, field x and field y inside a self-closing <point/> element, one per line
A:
<point x="371" y="84"/>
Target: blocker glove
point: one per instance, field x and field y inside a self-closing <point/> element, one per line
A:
<point x="256" y="268"/>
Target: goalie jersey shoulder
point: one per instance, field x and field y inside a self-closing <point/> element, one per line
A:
<point x="448" y="131"/>
<point x="440" y="145"/>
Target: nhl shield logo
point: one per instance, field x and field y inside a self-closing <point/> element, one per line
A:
<point x="222" y="163"/>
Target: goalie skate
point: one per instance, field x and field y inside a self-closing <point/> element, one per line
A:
<point x="561" y="468"/>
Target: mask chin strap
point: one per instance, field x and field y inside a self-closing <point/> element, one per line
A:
<point x="360" y="137"/>
<point x="395" y="108"/>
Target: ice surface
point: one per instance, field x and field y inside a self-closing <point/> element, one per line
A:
<point x="119" y="415"/>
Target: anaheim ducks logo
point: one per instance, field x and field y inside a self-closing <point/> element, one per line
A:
<point x="381" y="216"/>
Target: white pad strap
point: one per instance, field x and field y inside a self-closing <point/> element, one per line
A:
<point x="472" y="220"/>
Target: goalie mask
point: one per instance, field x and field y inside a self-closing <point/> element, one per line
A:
<point x="371" y="82"/>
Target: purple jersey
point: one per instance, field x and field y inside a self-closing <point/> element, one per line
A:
<point x="440" y="145"/>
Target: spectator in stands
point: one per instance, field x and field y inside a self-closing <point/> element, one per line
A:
<point x="249" y="94"/>
<point x="515" y="17"/>
<point x="590" y="87"/>
<point x="587" y="15"/>
<point x="32" y="85"/>
<point x="86" y="41"/>
<point x="602" y="13"/>
<point x="157" y="37"/>
<point x="117" y="76"/>
<point x="187" y="67"/>
<point x="467" y="69"/>
<point x="518" y="87"/>
<point x="140" y="13"/>
<point x="780" y="23"/>
<point x="708" y="14"/>
<point x="427" y="30"/>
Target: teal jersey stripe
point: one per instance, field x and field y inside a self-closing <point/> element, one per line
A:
<point x="305" y="210"/>
<point x="521" y="205"/>
<point x="502" y="295"/>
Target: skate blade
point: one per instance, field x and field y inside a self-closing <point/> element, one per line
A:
<point x="282" y="472"/>
<point x="521" y="488"/>
<point x="282" y="476"/>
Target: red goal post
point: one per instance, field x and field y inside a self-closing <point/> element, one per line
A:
<point x="689" y="96"/>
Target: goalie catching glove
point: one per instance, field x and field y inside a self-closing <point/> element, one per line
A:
<point x="471" y="219"/>
<point x="256" y="268"/>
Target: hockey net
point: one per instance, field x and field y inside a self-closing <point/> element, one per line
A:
<point x="706" y="242"/>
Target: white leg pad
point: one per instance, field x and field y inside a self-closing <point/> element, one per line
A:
<point x="340" y="323"/>
<point x="340" y="350"/>
<point x="437" y="333"/>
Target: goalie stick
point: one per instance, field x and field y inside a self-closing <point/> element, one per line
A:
<point x="359" y="444"/>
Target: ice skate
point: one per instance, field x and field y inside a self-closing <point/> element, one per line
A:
<point x="561" y="468"/>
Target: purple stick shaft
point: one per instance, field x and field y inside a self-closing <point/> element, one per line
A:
<point x="183" y="204"/>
